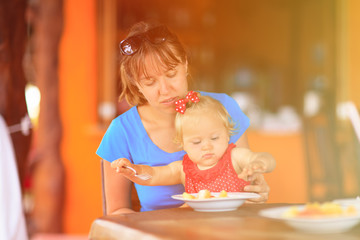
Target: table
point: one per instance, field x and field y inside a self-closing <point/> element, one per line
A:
<point x="185" y="223"/>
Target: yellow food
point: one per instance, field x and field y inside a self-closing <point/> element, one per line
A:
<point x="327" y="209"/>
<point x="188" y="196"/>
<point x="223" y="193"/>
<point x="204" y="194"/>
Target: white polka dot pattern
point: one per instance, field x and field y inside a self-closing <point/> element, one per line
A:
<point x="225" y="178"/>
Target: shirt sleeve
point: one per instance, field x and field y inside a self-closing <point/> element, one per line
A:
<point x="242" y="122"/>
<point x="114" y="144"/>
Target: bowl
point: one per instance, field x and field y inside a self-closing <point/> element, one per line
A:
<point x="318" y="225"/>
<point x="217" y="204"/>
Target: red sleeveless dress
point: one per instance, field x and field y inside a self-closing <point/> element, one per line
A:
<point x="220" y="177"/>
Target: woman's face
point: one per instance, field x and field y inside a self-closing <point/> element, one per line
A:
<point x="162" y="88"/>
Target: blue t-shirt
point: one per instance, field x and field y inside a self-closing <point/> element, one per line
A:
<point x="126" y="137"/>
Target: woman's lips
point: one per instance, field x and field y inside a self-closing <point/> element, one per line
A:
<point x="169" y="101"/>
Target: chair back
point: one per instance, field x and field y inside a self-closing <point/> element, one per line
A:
<point x="103" y="196"/>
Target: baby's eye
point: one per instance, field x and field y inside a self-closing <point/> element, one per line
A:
<point x="214" y="138"/>
<point x="196" y="142"/>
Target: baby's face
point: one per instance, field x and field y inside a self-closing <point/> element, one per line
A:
<point x="205" y="140"/>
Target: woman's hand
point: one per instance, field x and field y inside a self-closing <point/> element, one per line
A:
<point x="258" y="185"/>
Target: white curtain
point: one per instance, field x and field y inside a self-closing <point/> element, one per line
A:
<point x="12" y="220"/>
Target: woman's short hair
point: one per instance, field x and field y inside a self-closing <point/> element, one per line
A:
<point x="164" y="56"/>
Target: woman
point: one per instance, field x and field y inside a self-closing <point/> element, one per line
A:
<point x="153" y="71"/>
<point x="203" y="129"/>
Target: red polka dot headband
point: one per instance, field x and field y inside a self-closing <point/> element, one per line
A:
<point x="180" y="105"/>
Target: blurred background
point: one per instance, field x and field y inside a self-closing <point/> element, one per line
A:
<point x="290" y="64"/>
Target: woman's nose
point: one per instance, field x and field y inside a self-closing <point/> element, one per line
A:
<point x="164" y="86"/>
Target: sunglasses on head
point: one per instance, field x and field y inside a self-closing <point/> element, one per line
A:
<point x="132" y="44"/>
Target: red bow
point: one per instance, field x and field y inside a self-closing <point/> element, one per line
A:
<point x="181" y="103"/>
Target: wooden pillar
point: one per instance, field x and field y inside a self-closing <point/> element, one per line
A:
<point x="48" y="174"/>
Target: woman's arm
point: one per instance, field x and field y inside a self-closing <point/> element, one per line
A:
<point x="117" y="191"/>
<point x="242" y="141"/>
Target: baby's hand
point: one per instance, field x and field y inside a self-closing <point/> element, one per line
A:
<point x="119" y="166"/>
<point x="251" y="169"/>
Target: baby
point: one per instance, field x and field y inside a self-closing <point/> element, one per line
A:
<point x="203" y="128"/>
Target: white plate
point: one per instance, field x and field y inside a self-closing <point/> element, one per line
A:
<point x="313" y="225"/>
<point x="229" y="203"/>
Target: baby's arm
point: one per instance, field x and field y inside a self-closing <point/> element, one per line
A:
<point x="163" y="175"/>
<point x="247" y="163"/>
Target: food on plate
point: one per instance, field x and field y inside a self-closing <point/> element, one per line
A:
<point x="223" y="193"/>
<point x="204" y="194"/>
<point x="316" y="210"/>
<point x="188" y="196"/>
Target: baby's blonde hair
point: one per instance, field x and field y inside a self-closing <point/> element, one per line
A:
<point x="206" y="104"/>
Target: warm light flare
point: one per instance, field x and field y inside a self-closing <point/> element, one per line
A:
<point x="33" y="96"/>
